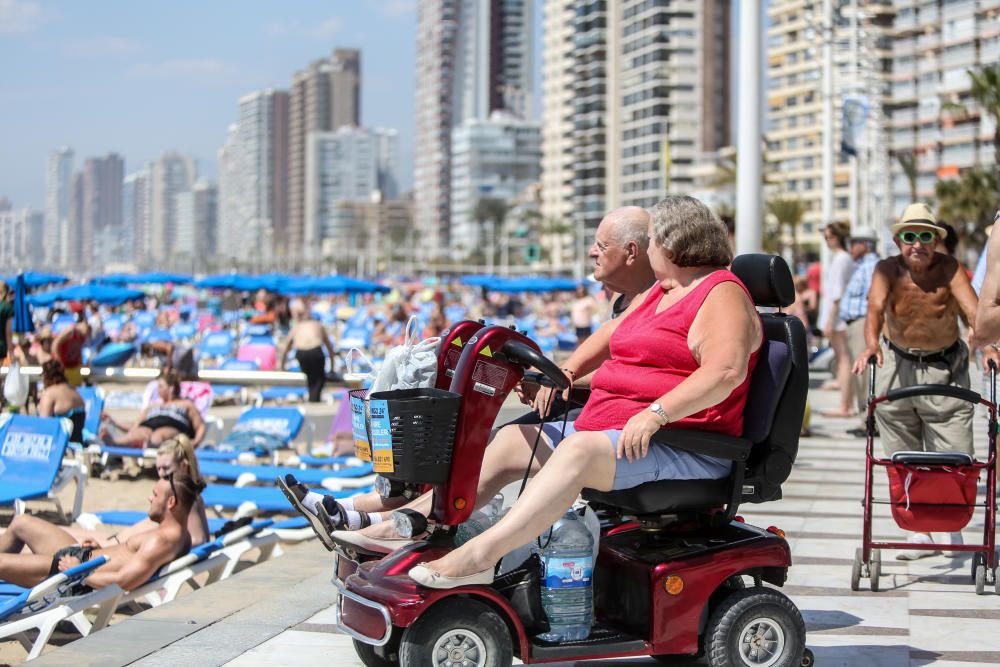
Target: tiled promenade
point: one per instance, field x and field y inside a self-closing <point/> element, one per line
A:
<point x="926" y="614"/>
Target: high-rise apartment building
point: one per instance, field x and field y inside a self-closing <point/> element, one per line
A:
<point x="58" y="190"/>
<point x="171" y="174"/>
<point x="341" y="166"/>
<point x="668" y="92"/>
<point x="636" y="91"/>
<point x="323" y="97"/>
<point x="934" y="44"/>
<point x="495" y="158"/>
<point x="137" y="198"/>
<point x="558" y="48"/>
<point x="196" y="227"/>
<point x="21" y="233"/>
<point x="101" y="210"/>
<point x="858" y="39"/>
<point x="473" y="57"/>
<point x="229" y="214"/>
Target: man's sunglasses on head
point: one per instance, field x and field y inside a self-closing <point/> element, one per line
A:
<point x="925" y="237"/>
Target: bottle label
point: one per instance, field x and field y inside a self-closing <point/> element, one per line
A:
<point x="562" y="572"/>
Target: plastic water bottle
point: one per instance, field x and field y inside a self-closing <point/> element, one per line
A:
<point x="567" y="583"/>
<point x="479" y="521"/>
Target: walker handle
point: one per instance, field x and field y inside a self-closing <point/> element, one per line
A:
<point x="992" y="365"/>
<point x="933" y="390"/>
<point x="872" y="363"/>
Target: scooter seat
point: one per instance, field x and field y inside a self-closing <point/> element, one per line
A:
<point x="666" y="496"/>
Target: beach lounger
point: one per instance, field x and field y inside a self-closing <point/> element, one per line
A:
<point x="212" y="558"/>
<point x="334" y="478"/>
<point x="217" y="344"/>
<point x="233" y="392"/>
<point x="51" y="602"/>
<point x="31" y="462"/>
<point x="93" y="403"/>
<point x="247" y="500"/>
<point x="263" y="431"/>
<point x="282" y="394"/>
<point x="265" y="354"/>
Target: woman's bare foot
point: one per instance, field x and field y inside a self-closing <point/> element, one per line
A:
<point x="384" y="530"/>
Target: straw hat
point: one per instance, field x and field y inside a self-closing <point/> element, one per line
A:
<point x="919" y="215"/>
<point x="863" y="233"/>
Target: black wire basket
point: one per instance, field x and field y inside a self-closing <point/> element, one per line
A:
<point x="422" y="427"/>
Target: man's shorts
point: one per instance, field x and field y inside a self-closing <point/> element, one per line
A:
<point x="924" y="423"/>
<point x="662" y="461"/>
<point x="76" y="551"/>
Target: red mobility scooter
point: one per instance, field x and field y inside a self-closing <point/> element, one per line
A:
<point x="678" y="575"/>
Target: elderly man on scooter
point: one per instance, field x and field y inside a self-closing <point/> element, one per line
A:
<point x="621" y="264"/>
<point x="918" y="298"/>
<point x="681" y="356"/>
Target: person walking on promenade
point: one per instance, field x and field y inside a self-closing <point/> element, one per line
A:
<point x="834" y="329"/>
<point x="919" y="297"/>
<point x="854" y="306"/>
<point x="987" y="329"/>
<point x="308" y="337"/>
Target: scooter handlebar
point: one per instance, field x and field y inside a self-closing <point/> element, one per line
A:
<point x="529" y="357"/>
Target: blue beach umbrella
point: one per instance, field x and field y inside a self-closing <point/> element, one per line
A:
<point x="108" y="294"/>
<point x="22" y="322"/>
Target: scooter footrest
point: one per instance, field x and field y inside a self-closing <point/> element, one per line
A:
<point x="602" y="641"/>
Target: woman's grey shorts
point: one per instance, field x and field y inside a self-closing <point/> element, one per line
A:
<point x="662" y="461"/>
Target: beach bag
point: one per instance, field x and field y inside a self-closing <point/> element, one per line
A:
<point x="932" y="499"/>
<point x="412" y="365"/>
<point x="15" y="388"/>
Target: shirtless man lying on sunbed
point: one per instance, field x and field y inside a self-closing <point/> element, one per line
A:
<point x="129" y="565"/>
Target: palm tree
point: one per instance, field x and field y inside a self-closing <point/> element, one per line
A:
<point x="985" y="91"/>
<point x="968" y="202"/>
<point x="494" y="211"/>
<point x="908" y="161"/>
<point x="788" y="211"/>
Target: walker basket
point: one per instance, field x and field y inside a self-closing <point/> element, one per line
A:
<point x="422" y="433"/>
<point x="360" y="424"/>
<point x="932" y="499"/>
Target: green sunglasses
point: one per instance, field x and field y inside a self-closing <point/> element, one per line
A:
<point x="925" y="237"/>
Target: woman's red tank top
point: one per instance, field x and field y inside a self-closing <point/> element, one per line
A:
<point x="650" y="356"/>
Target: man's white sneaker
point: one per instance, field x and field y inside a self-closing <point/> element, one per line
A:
<point x="915" y="554"/>
<point x="954" y="538"/>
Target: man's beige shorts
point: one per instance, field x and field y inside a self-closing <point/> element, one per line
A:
<point x="924" y="423"/>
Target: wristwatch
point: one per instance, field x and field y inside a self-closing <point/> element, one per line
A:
<point x="658" y="410"/>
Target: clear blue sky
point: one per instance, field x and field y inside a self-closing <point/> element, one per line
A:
<point x="140" y="77"/>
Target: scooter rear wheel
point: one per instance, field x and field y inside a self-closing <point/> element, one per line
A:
<point x="458" y="631"/>
<point x="756" y="627"/>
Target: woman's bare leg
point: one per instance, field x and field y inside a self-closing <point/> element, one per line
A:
<point x="505" y="461"/>
<point x="136" y="436"/>
<point x="584" y="460"/>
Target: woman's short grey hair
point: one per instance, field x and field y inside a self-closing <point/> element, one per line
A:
<point x="690" y="232"/>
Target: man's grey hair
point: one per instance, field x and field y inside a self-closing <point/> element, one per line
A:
<point x="630" y="225"/>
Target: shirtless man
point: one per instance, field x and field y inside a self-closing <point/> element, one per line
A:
<point x="308" y="337"/>
<point x="919" y="296"/>
<point x="129" y="565"/>
<point x="988" y="313"/>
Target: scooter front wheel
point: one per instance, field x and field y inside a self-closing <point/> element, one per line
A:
<point x="454" y="632"/>
<point x="370" y="658"/>
<point x="756" y="627"/>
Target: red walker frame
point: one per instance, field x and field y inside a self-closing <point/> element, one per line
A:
<point x="867" y="561"/>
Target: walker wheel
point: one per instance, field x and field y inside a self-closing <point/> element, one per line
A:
<point x="808" y="660"/>
<point x="856" y="572"/>
<point x="980" y="580"/>
<point x="874" y="570"/>
<point x="978" y="559"/>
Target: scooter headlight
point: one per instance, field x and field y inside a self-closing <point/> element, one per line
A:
<point x="383" y="486"/>
<point x="409" y="523"/>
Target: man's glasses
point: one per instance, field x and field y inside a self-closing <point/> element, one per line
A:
<point x="173" y="489"/>
<point x="925" y="237"/>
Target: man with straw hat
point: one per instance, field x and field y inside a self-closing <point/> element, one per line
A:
<point x="918" y="297"/>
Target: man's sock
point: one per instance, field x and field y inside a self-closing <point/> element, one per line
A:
<point x="347" y="504"/>
<point x="312" y="499"/>
<point x="350" y="519"/>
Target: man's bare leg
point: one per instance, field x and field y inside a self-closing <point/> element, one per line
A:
<point x="37" y="534"/>
<point x="504" y="462"/>
<point x="25" y="570"/>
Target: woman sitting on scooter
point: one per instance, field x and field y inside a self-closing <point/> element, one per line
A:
<point x="681" y="356"/>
